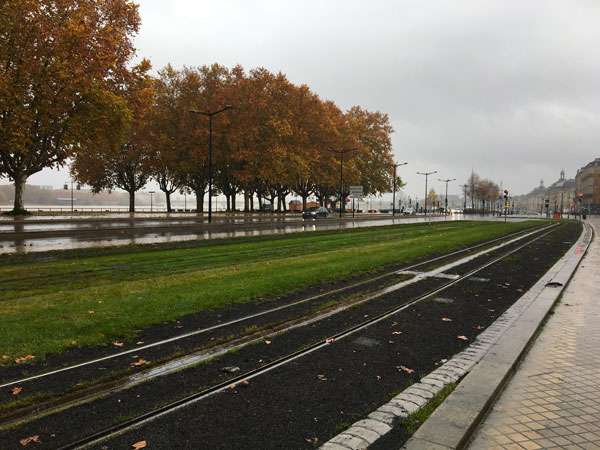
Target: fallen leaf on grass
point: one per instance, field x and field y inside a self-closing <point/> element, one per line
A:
<point x="90" y="312"/>
<point x="445" y="319"/>
<point x="26" y="441"/>
<point x="464" y="338"/>
<point x="4" y="357"/>
<point x="404" y="369"/>
<point x="396" y="332"/>
<point x="118" y="344"/>
<point x="329" y="341"/>
<point x="24" y="358"/>
<point x="73" y="342"/>
<point x="141" y="362"/>
<point x="140" y="444"/>
<point x="100" y="301"/>
<point x="15" y="390"/>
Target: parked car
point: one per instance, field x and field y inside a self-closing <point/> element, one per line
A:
<point x="409" y="211"/>
<point x="314" y="213"/>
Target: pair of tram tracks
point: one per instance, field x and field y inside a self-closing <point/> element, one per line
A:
<point x="146" y="417"/>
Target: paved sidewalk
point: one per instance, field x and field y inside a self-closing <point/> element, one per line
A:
<point x="553" y="401"/>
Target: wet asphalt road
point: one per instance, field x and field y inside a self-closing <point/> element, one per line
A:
<point x="43" y="233"/>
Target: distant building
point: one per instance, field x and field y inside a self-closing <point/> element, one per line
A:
<point x="559" y="196"/>
<point x="588" y="184"/>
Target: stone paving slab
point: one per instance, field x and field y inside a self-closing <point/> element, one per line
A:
<point x="462" y="417"/>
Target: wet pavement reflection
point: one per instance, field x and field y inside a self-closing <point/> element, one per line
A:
<point x="43" y="233"/>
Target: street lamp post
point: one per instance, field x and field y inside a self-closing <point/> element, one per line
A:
<point x="210" y="171"/>
<point x="446" y="200"/>
<point x="66" y="188"/>
<point x="341" y="153"/>
<point x="426" y="175"/>
<point x="151" y="194"/>
<point x="394" y="196"/>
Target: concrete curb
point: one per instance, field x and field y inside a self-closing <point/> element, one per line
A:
<point x="490" y="358"/>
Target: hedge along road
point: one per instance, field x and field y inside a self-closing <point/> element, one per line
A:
<point x="55" y="301"/>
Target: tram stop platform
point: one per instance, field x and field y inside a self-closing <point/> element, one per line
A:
<point x="538" y="387"/>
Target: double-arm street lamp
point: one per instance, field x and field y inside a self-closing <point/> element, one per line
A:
<point x="394" y="197"/>
<point x="446" y="201"/>
<point x="210" y="171"/>
<point x="426" y="175"/>
<point x="341" y="153"/>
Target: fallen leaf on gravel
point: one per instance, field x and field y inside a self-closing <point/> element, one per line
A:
<point x="267" y="342"/>
<point x="507" y="284"/>
<point x="390" y="342"/>
<point x="445" y="319"/>
<point x="464" y="338"/>
<point x="140" y="444"/>
<point x="329" y="341"/>
<point x="90" y="312"/>
<point x="139" y="342"/>
<point x="24" y="358"/>
<point x="404" y="369"/>
<point x="15" y="390"/>
<point x="232" y="386"/>
<point x="396" y="332"/>
<point x="322" y="377"/>
<point x="520" y="290"/>
<point x="366" y="315"/>
<point x="312" y="440"/>
<point x="26" y="441"/>
<point x="378" y="378"/>
<point x="141" y="362"/>
<point x="394" y="324"/>
<point x="479" y="327"/>
<point x="118" y="344"/>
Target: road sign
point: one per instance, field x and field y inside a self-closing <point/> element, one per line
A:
<point x="356" y="191"/>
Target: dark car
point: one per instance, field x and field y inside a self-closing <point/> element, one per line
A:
<point x="314" y="213"/>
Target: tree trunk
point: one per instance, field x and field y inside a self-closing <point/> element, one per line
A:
<point x="228" y="198"/>
<point x="168" y="197"/>
<point x="246" y="201"/>
<point x="304" y="198"/>
<point x="199" y="201"/>
<point x="131" y="201"/>
<point x="252" y="202"/>
<point x="19" y="204"/>
<point x="233" y="202"/>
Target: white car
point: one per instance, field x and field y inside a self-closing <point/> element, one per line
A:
<point x="409" y="211"/>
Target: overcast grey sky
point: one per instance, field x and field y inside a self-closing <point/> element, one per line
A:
<point x="510" y="88"/>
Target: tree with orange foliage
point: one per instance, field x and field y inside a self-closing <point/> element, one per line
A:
<point x="56" y="59"/>
<point x="123" y="163"/>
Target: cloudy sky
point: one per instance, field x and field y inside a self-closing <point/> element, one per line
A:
<point x="510" y="88"/>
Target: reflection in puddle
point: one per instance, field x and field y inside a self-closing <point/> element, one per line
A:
<point x="126" y="237"/>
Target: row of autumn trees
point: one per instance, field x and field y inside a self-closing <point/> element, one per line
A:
<point x="68" y="94"/>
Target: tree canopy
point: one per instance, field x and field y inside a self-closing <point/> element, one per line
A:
<point x="57" y="59"/>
